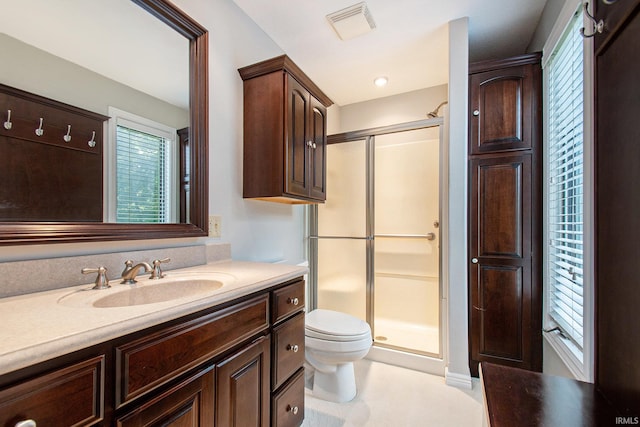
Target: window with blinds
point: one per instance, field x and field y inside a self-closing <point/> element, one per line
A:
<point x="141" y="176"/>
<point x="565" y="183"/>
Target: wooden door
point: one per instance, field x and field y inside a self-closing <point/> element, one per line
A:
<point x="190" y="403"/>
<point x="296" y="172"/>
<point x="502" y="102"/>
<point x="617" y="227"/>
<point x="317" y="153"/>
<point x="501" y="301"/>
<point x="243" y="387"/>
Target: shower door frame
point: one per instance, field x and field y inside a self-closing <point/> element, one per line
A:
<point x="368" y="136"/>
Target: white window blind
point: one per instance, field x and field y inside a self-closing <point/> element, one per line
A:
<point x="141" y="176"/>
<point x="565" y="186"/>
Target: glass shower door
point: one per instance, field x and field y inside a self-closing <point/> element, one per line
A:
<point x="376" y="241"/>
<point x="342" y="232"/>
<point x="407" y="255"/>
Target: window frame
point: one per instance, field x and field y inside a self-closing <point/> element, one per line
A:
<point x="142" y="124"/>
<point x="579" y="363"/>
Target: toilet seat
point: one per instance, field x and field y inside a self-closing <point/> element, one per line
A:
<point x="335" y="326"/>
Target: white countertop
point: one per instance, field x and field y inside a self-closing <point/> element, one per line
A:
<point x="37" y="327"/>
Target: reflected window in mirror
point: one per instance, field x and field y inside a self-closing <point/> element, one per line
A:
<point x="142" y="157"/>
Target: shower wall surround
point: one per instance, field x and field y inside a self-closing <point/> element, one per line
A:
<point x="25" y="277"/>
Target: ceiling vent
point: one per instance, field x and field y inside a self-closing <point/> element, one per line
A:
<point x="352" y="21"/>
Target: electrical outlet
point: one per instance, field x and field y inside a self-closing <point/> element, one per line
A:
<point x="215" y="226"/>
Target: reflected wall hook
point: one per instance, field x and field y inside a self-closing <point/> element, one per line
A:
<point x="598" y="26"/>
<point x="40" y="131"/>
<point x="67" y="137"/>
<point x="8" y="124"/>
<point x="92" y="143"/>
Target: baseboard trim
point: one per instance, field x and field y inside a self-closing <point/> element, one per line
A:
<point x="416" y="362"/>
<point x="457" y="380"/>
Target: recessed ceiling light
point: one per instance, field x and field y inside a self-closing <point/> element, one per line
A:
<point x="381" y="81"/>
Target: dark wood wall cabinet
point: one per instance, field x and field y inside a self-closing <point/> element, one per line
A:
<point x="505" y="217"/>
<point x="285" y="133"/>
<point x="240" y="364"/>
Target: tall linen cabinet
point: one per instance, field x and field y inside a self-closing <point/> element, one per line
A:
<point x="505" y="215"/>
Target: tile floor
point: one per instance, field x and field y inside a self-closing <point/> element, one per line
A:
<point x="390" y="396"/>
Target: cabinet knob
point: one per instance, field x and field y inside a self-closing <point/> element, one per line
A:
<point x="293" y="301"/>
<point x="293" y="348"/>
<point x="476" y="113"/>
<point x="474" y="260"/>
<point x="26" y="423"/>
<point x="292" y="409"/>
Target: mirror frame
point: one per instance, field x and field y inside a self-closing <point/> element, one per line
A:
<point x="18" y="233"/>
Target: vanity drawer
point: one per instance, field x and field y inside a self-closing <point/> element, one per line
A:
<point x="188" y="404"/>
<point x="146" y="363"/>
<point x="68" y="396"/>
<point x="288" y="403"/>
<point x="288" y="349"/>
<point x="287" y="300"/>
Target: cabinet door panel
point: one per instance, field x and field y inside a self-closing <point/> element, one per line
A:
<point x="501" y="105"/>
<point x="296" y="147"/>
<point x="189" y="404"/>
<point x="68" y="396"/>
<point x="317" y="162"/>
<point x="502" y="206"/>
<point x="500" y="275"/>
<point x="243" y="391"/>
<point x="498" y="297"/>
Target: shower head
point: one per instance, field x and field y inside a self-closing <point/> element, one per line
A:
<point x="433" y="114"/>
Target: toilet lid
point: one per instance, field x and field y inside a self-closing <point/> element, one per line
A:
<point x="333" y="324"/>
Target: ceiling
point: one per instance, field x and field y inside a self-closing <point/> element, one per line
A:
<point x="408" y="45"/>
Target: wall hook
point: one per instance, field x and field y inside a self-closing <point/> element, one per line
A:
<point x="67" y="137"/>
<point x="40" y="131"/>
<point x="598" y="26"/>
<point x="8" y="124"/>
<point x="92" y="143"/>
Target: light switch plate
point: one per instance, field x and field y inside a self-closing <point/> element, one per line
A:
<point x="215" y="226"/>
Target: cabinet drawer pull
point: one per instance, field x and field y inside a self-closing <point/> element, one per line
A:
<point x="474" y="260"/>
<point x="293" y="301"/>
<point x="476" y="113"/>
<point x="293" y="348"/>
<point x="293" y="409"/>
<point x="28" y="423"/>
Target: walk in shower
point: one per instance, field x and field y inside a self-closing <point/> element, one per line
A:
<point x="375" y="243"/>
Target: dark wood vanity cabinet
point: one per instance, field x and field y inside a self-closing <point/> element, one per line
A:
<point x="227" y="366"/>
<point x="505" y="216"/>
<point x="287" y="374"/>
<point x="285" y="133"/>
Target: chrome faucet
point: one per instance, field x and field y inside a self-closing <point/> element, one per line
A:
<point x="131" y="271"/>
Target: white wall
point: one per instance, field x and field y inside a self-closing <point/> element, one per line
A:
<point x="258" y="231"/>
<point x="405" y="107"/>
<point x="458" y="369"/>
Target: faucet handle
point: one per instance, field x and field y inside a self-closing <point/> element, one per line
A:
<point x="157" y="273"/>
<point x="101" y="280"/>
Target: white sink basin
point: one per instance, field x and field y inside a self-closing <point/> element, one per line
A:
<point x="160" y="292"/>
<point x="145" y="292"/>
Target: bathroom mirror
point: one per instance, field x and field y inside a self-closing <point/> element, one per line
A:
<point x="194" y="94"/>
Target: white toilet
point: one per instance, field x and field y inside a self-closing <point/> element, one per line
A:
<point x="333" y="341"/>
